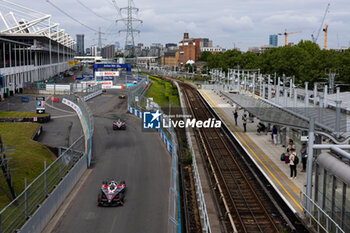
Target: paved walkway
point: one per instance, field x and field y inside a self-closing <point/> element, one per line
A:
<point x="262" y="151"/>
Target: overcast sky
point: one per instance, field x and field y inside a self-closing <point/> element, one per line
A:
<point x="244" y="22"/>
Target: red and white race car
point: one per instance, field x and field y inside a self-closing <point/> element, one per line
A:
<point x="119" y="124"/>
<point x="112" y="193"/>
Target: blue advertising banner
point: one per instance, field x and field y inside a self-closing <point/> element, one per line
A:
<point x="112" y="66"/>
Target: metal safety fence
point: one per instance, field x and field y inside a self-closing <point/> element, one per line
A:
<point x="170" y="73"/>
<point x="87" y="121"/>
<point x="138" y="104"/>
<point x="13" y="216"/>
<point x="318" y="217"/>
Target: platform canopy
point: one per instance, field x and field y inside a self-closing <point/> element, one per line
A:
<point x="298" y="117"/>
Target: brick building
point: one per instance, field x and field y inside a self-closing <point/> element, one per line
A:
<point x="189" y="49"/>
<point x="170" y="60"/>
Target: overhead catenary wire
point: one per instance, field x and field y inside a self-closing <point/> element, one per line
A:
<point x="63" y="12"/>
<point x="86" y="7"/>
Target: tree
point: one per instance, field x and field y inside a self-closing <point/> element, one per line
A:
<point x="306" y="61"/>
<point x="190" y="68"/>
<point x="204" y="56"/>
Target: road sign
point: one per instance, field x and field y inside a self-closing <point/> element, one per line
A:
<point x="304" y="138"/>
<point x="40" y="105"/>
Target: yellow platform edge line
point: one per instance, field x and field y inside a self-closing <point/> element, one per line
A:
<point x="221" y="113"/>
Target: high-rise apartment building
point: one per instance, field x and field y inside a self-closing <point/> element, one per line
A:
<point x="80" y="45"/>
<point x="273" y="40"/>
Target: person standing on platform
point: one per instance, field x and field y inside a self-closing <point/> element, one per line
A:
<point x="244" y="119"/>
<point x="289" y="150"/>
<point x="274" y="134"/>
<point x="303" y="156"/>
<point x="292" y="164"/>
<point x="290" y="146"/>
<point x="235" y="115"/>
<point x="283" y="136"/>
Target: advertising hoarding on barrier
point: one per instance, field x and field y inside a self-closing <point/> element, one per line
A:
<point x="107" y="84"/>
<point x="92" y="95"/>
<point x="74" y="106"/>
<point x="107" y="73"/>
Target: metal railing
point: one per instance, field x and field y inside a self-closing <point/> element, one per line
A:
<point x="318" y="217"/>
<point x="84" y="89"/>
<point x="168" y="73"/>
<point x="88" y="120"/>
<point x="14" y="215"/>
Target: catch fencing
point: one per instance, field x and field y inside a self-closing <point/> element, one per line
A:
<point x="169" y="73"/>
<point x="23" y="209"/>
<point x="24" y="206"/>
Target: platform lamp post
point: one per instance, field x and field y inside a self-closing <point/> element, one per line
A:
<point x="269" y="87"/>
<point x="253" y="91"/>
<point x="311" y="140"/>
<point x="277" y="90"/>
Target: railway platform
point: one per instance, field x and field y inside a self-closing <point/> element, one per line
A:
<point x="263" y="153"/>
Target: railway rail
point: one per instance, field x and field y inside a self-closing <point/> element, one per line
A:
<point x="245" y="208"/>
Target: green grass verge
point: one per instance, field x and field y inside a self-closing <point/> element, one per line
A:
<point x="163" y="93"/>
<point x="9" y="114"/>
<point x="28" y="158"/>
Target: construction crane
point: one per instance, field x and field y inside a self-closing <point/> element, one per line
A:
<point x="285" y="34"/>
<point x="314" y="39"/>
<point x="325" y="37"/>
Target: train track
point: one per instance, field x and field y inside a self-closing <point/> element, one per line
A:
<point x="244" y="207"/>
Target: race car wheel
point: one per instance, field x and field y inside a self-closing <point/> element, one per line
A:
<point x="99" y="197"/>
<point x="121" y="198"/>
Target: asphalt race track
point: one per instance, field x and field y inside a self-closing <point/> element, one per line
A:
<point x="132" y="155"/>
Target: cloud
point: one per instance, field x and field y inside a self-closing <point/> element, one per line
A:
<point x="289" y="19"/>
<point x="231" y="23"/>
<point x="247" y="21"/>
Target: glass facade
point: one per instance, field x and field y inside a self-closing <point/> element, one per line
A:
<point x="80" y="45"/>
<point x="273" y="40"/>
<point x="333" y="196"/>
